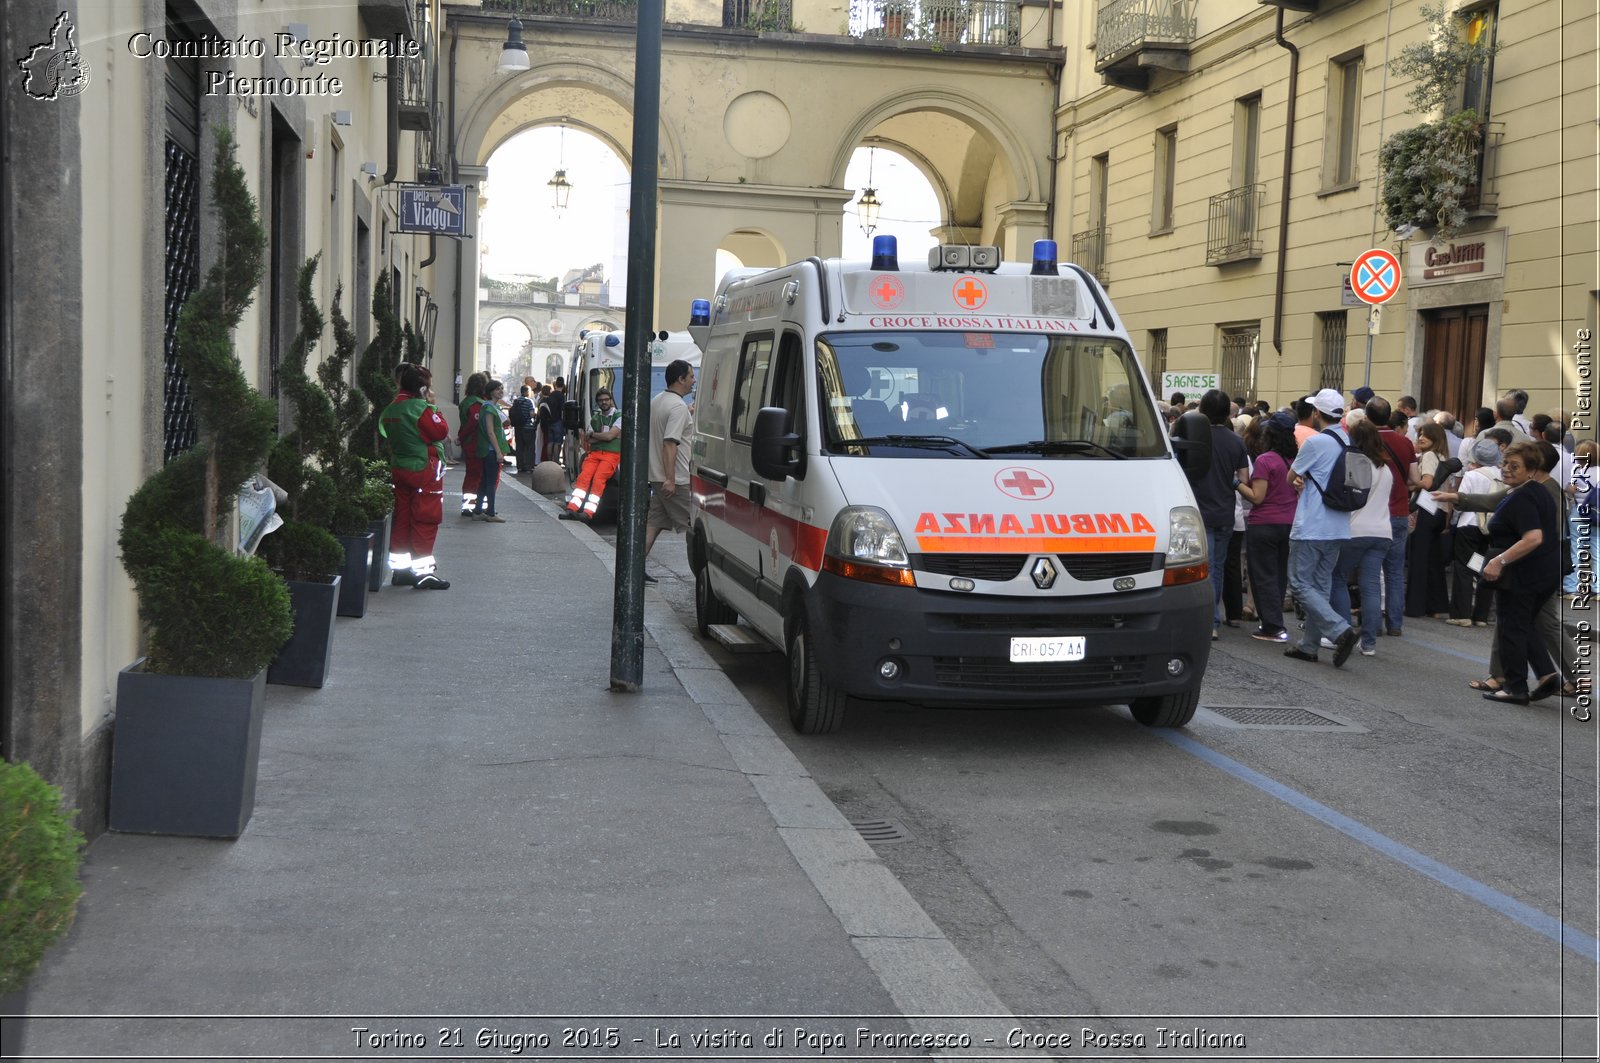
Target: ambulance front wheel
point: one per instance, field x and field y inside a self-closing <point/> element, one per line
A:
<point x="1171" y="710"/>
<point x="815" y="707"/>
<point x="709" y="610"/>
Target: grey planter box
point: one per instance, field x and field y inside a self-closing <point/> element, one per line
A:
<point x="355" y="574"/>
<point x="184" y="752"/>
<point x="379" y="568"/>
<point x="304" y="659"/>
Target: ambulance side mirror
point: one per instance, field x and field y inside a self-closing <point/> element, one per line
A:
<point x="773" y="448"/>
<point x="571" y="415"/>
<point x="1191" y="440"/>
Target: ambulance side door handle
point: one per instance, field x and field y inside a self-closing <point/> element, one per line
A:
<point x="758" y="493"/>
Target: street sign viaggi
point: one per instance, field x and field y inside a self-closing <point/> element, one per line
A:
<point x="1375" y="276"/>
<point x="438" y="209"/>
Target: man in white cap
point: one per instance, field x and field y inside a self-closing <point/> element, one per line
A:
<point x="1318" y="533"/>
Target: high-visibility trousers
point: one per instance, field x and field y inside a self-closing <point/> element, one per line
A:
<point x="418" y="509"/>
<point x="598" y="467"/>
<point x="472" y="481"/>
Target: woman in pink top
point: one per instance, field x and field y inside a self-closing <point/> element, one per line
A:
<point x="1266" y="533"/>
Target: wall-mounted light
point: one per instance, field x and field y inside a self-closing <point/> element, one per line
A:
<point x="301" y="33"/>
<point x="370" y="169"/>
<point x="342" y="118"/>
<point x="513" y="53"/>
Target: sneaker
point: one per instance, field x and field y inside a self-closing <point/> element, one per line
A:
<point x="1393" y="632"/>
<point x="1327" y="644"/>
<point x="1369" y="651"/>
<point x="1216" y="634"/>
<point x="403" y="577"/>
<point x="466" y="512"/>
<point x="1300" y="655"/>
<point x="1269" y="636"/>
<point x="430" y="582"/>
<point x="1459" y="623"/>
<point x="1480" y="623"/>
<point x="567" y="514"/>
<point x="492" y="518"/>
<point x="1344" y="645"/>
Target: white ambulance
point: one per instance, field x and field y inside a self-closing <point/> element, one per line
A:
<point x="596" y="364"/>
<point x="946" y="484"/>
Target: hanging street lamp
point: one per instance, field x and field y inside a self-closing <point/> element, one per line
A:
<point x="513" y="53"/>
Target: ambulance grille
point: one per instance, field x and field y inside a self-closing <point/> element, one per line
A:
<point x="997" y="567"/>
<point x="1041" y="623"/>
<point x="1108" y="566"/>
<point x="996" y="673"/>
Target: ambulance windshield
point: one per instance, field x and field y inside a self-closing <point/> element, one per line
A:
<point x="965" y="394"/>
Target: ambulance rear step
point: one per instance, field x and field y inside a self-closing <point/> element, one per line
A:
<point x="736" y="639"/>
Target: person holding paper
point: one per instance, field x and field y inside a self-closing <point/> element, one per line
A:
<point x="1425" y="587"/>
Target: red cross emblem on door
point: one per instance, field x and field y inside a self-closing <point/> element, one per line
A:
<point x="887" y="292"/>
<point x="970" y="293"/>
<point x="1025" y="484"/>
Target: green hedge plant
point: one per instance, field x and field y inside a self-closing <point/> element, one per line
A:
<point x="211" y="611"/>
<point x="304" y="548"/>
<point x="40" y="852"/>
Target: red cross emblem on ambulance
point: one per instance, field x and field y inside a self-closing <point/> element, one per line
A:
<point x="886" y="292"/>
<point x="970" y="293"/>
<point x="1026" y="484"/>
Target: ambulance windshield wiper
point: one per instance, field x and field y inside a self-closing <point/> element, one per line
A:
<point x="933" y="442"/>
<point x="1055" y="446"/>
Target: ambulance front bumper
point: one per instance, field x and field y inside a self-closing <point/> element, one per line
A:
<point x="955" y="649"/>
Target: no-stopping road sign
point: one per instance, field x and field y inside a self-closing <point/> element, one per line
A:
<point x="1375" y="276"/>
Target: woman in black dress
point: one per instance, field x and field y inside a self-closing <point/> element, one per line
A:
<point x="1524" y="567"/>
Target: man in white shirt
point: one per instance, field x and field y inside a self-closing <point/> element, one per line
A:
<point x="671" y="436"/>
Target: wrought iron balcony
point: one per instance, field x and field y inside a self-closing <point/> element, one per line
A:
<point x="983" y="22"/>
<point x="1482" y="198"/>
<point x="1133" y="37"/>
<point x="624" y="11"/>
<point x="758" y="14"/>
<point x="1089" y="251"/>
<point x="1233" y="225"/>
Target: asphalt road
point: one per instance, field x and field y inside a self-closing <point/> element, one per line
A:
<point x="1407" y="871"/>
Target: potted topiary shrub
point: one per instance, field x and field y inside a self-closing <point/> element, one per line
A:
<point x="303" y="550"/>
<point x="375" y="377"/>
<point x="352" y="518"/>
<point x="40" y="851"/>
<point x="188" y="722"/>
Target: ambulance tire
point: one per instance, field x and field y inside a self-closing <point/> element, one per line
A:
<point x="815" y="707"/>
<point x="1172" y="710"/>
<point x="709" y="610"/>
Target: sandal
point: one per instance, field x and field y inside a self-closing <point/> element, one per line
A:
<point x="1491" y="684"/>
<point x="1550" y="684"/>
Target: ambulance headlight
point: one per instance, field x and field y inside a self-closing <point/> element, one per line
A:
<point x="865" y="544"/>
<point x="1186" y="547"/>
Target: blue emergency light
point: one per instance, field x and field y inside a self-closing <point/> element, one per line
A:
<point x="1044" y="257"/>
<point x="885" y="254"/>
<point x="613" y="340"/>
<point x="700" y="312"/>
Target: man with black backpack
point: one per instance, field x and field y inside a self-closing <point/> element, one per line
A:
<point x="521" y="421"/>
<point x="1327" y="474"/>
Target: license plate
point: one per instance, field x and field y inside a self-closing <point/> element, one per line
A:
<point x="1041" y="651"/>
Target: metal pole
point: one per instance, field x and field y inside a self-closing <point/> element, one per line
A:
<point x="627" y="614"/>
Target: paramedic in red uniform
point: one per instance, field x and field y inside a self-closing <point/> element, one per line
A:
<point x="413" y="429"/>
<point x="604" y="440"/>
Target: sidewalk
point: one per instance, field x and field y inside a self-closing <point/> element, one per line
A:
<point x="465" y="825"/>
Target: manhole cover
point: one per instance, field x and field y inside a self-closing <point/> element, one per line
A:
<point x="1279" y="717"/>
<point x="879" y="830"/>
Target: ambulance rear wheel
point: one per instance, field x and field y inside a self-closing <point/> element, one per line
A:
<point x="815" y="707"/>
<point x="1172" y="710"/>
<point x="709" y="610"/>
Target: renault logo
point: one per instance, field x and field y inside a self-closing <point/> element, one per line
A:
<point x="1043" y="573"/>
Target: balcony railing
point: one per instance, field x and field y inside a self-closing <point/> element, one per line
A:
<point x="1124" y="26"/>
<point x="1233" y="225"/>
<point x="625" y="11"/>
<point x="986" y="22"/>
<point x="1089" y="251"/>
<point x="1482" y="198"/>
<point x="758" y="14"/>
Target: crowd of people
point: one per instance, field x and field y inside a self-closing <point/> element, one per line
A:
<point x="1364" y="514"/>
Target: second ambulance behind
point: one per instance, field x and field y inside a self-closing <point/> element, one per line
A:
<point x="946" y="485"/>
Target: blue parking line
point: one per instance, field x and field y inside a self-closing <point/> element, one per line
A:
<point x="1473" y="657"/>
<point x="1532" y="918"/>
